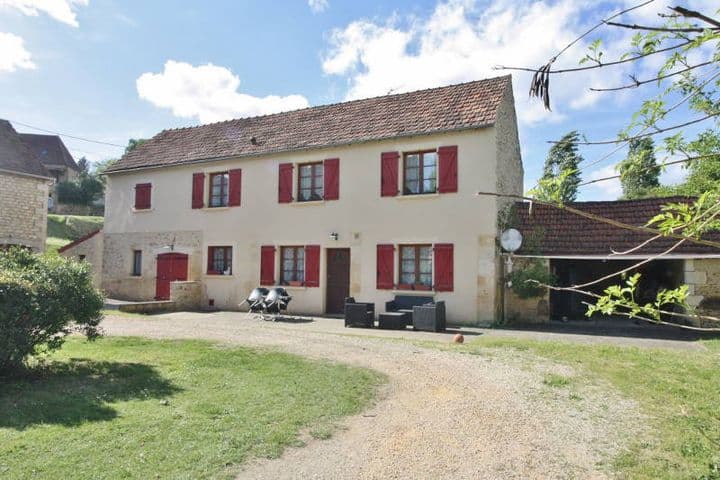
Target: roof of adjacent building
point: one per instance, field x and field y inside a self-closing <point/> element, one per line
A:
<point x="550" y="231"/>
<point x="50" y="149"/>
<point x="457" y="107"/>
<point x="15" y="156"/>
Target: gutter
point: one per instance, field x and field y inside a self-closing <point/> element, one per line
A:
<point x="23" y="174"/>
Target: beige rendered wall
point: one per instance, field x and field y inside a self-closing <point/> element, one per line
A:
<point x="361" y="217"/>
<point x="23" y="210"/>
<point x="92" y="250"/>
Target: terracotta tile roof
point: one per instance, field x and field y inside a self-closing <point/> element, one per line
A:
<point x="553" y="232"/>
<point x="15" y="156"/>
<point x="50" y="149"/>
<point x="457" y="107"/>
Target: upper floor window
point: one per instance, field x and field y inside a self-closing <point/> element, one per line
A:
<point x="310" y="181"/>
<point x="293" y="265"/>
<point x="137" y="263"/>
<point x="416" y="265"/>
<point x="143" y="194"/>
<point x="219" y="191"/>
<point x="219" y="261"/>
<point x="420" y="173"/>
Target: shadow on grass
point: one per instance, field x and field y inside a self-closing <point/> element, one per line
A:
<point x="78" y="391"/>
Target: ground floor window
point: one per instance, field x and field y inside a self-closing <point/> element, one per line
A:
<point x="293" y="265"/>
<point x="416" y="266"/>
<point x="219" y="261"/>
<point x="137" y="263"/>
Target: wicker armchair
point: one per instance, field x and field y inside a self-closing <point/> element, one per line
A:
<point x="430" y="317"/>
<point x="359" y="314"/>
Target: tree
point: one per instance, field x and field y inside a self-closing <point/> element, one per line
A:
<point x="133" y="143"/>
<point x="84" y="166"/>
<point x="561" y="175"/>
<point x="639" y="172"/>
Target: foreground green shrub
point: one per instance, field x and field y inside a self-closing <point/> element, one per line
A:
<point x="43" y="299"/>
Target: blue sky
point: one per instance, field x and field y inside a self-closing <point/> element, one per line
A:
<point x="111" y="70"/>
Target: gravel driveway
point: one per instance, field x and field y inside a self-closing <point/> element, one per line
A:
<point x="441" y="414"/>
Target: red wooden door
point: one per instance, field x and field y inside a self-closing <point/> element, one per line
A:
<point x="170" y="267"/>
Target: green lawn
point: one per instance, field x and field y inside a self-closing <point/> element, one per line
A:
<point x="679" y="391"/>
<point x="137" y="408"/>
<point x="63" y="229"/>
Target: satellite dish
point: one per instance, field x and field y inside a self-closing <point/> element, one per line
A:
<point x="511" y="240"/>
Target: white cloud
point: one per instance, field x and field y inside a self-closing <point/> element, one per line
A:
<point x="318" y="6"/>
<point x="13" y="54"/>
<point x="607" y="189"/>
<point x="463" y="40"/>
<point x="61" y="10"/>
<point x="208" y="93"/>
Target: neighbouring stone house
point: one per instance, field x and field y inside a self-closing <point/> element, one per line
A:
<point x="369" y="198"/>
<point x="54" y="155"/>
<point x="578" y="249"/>
<point x="24" y="184"/>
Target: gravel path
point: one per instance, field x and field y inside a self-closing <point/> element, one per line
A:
<point x="441" y="414"/>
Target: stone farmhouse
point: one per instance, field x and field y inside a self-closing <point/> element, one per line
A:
<point x="368" y="198"/>
<point x="55" y="157"/>
<point x="24" y="184"/>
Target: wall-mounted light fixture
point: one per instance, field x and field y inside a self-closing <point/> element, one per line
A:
<point x="334" y="236"/>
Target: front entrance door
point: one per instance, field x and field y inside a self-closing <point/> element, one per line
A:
<point x="170" y="267"/>
<point x="338" y="279"/>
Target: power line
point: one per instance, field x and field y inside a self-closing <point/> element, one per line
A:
<point x="68" y="136"/>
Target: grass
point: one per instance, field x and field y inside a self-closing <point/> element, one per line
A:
<point x="679" y="391"/>
<point x="137" y="408"/>
<point x="63" y="229"/>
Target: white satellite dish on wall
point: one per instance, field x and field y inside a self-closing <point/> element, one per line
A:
<point x="511" y="240"/>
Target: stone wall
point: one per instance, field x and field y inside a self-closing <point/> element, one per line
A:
<point x="117" y="279"/>
<point x="526" y="310"/>
<point x="702" y="276"/>
<point x="186" y="295"/>
<point x="89" y="250"/>
<point x="23" y="210"/>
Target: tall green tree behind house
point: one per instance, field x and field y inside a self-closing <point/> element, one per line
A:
<point x="560" y="179"/>
<point x="639" y="172"/>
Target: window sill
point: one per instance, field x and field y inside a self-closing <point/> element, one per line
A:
<point x="216" y="209"/>
<point x="142" y="210"/>
<point x="294" y="287"/>
<point x="210" y="275"/>
<point x="307" y="203"/>
<point x="135" y="277"/>
<point x="417" y="196"/>
<point x="419" y="293"/>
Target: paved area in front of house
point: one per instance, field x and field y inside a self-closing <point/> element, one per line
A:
<point x="440" y="415"/>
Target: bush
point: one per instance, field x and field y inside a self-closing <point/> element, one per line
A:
<point x="43" y="299"/>
<point x="525" y="279"/>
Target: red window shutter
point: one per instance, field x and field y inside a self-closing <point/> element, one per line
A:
<point x="331" y="176"/>
<point x="389" y="174"/>
<point x="448" y="169"/>
<point x="312" y="265"/>
<point x="198" y="190"/>
<point x="285" y="183"/>
<point x="267" y="265"/>
<point x="443" y="267"/>
<point x="142" y="196"/>
<point x="235" y="187"/>
<point x="385" y="267"/>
